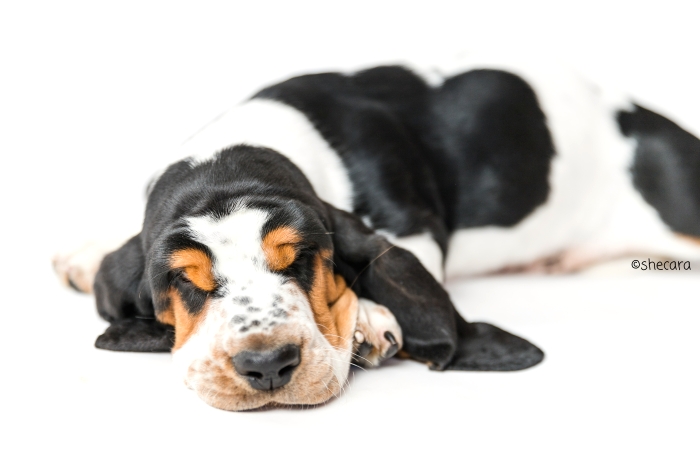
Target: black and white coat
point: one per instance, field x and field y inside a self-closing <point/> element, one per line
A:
<point x="399" y="178"/>
<point x="480" y="168"/>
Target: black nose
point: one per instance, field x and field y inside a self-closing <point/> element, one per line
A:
<point x="268" y="370"/>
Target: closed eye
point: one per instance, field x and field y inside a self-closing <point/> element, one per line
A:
<point x="182" y="276"/>
<point x="182" y="280"/>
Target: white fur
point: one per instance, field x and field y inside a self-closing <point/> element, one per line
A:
<point x="271" y="124"/>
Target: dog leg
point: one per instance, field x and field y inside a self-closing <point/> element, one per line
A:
<point x="377" y="334"/>
<point x="77" y="268"/>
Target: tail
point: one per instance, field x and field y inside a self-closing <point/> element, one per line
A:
<point x="666" y="168"/>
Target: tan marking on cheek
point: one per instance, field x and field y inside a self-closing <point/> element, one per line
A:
<point x="340" y="287"/>
<point x="197" y="267"/>
<point x="332" y="304"/>
<point x="177" y="315"/>
<point x="344" y="312"/>
<point x="279" y="246"/>
<point x="319" y="299"/>
<point x="165" y="314"/>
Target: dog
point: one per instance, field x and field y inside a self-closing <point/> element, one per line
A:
<point x="311" y="227"/>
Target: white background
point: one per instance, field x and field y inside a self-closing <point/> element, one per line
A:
<point x="94" y="96"/>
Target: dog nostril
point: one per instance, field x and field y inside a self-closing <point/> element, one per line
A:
<point x="268" y="370"/>
<point x="257" y="375"/>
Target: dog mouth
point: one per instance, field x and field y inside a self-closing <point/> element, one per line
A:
<point x="297" y="362"/>
<point x="294" y="364"/>
<point x="309" y="373"/>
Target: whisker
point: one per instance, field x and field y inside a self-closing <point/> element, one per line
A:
<point x="350" y="362"/>
<point x="329" y="260"/>
<point x="357" y="277"/>
<point x="352" y="354"/>
<point x="334" y="335"/>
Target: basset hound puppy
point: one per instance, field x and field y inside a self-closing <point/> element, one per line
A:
<point x="312" y="227"/>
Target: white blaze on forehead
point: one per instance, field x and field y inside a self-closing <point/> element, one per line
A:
<point x="253" y="298"/>
<point x="234" y="240"/>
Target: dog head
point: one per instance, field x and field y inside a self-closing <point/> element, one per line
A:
<point x="259" y="315"/>
<point x="249" y="268"/>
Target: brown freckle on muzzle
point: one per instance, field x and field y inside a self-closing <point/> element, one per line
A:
<point x="279" y="247"/>
<point x="197" y="267"/>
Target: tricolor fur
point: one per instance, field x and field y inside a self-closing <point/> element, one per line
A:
<point x="326" y="211"/>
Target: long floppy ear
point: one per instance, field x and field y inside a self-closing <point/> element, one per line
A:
<point x="123" y="298"/>
<point x="137" y="335"/>
<point x="433" y="331"/>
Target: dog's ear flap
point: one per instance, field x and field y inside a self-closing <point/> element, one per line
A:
<point x="137" y="335"/>
<point x="433" y="331"/>
<point x="393" y="277"/>
<point x="483" y="346"/>
<point x="124" y="298"/>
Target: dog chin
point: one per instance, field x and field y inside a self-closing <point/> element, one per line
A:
<point x="315" y="383"/>
<point x="320" y="376"/>
<point x="325" y="389"/>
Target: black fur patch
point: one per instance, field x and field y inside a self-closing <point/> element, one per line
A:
<point x="483" y="346"/>
<point x="137" y="335"/>
<point x="666" y="168"/>
<point x="474" y="152"/>
<point x="373" y="121"/>
<point x="120" y="289"/>
<point x="493" y="148"/>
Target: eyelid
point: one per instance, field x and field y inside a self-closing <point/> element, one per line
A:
<point x="183" y="275"/>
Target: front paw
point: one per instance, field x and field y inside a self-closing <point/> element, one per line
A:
<point x="377" y="334"/>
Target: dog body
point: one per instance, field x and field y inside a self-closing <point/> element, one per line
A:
<point x="317" y="220"/>
<point x="465" y="167"/>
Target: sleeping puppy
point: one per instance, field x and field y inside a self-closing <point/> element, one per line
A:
<point x="311" y="227"/>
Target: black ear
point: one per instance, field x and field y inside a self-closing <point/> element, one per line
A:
<point x="483" y="346"/>
<point x="137" y="335"/>
<point x="433" y="330"/>
<point x="123" y="297"/>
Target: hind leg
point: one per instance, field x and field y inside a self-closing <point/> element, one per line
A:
<point x="77" y="268"/>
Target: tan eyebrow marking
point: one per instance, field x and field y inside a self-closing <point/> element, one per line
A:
<point x="197" y="267"/>
<point x="279" y="247"/>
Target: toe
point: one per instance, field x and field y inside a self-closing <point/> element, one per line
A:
<point x="393" y="348"/>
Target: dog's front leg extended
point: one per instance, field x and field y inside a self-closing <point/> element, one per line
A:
<point x="377" y="334"/>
